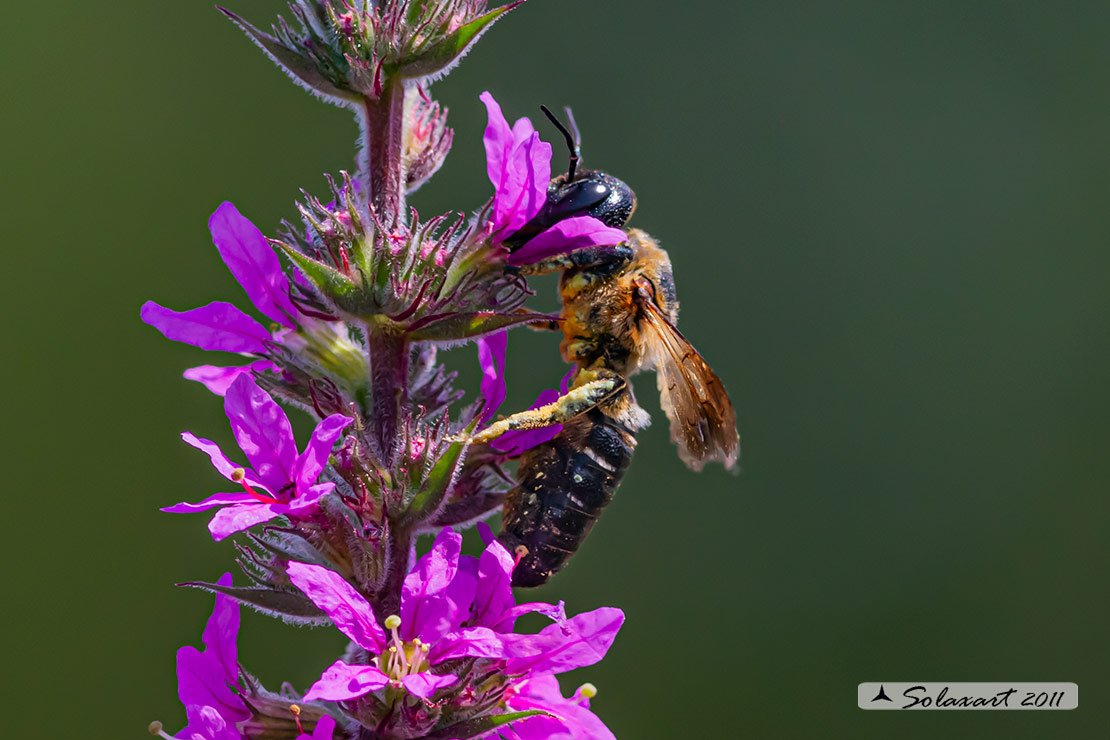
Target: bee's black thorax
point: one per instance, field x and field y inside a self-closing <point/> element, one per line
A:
<point x="563" y="486"/>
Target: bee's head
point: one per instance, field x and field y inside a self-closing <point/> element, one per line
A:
<point x="579" y="193"/>
<point x="591" y="193"/>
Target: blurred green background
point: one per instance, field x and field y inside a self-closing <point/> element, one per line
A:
<point x="889" y="226"/>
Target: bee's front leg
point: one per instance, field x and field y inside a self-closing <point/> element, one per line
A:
<point x="580" y="399"/>
<point x="616" y="254"/>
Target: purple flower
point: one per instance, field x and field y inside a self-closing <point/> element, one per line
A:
<point x="424" y="634"/>
<point x="452" y="606"/>
<point x="571" y="719"/>
<point x="324" y="730"/>
<point x="281" y="481"/>
<point x="491" y="356"/>
<point x="207" y="681"/>
<point x="221" y="326"/>
<point x="519" y="166"/>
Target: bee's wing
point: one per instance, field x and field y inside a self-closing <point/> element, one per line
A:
<point x="703" y="422"/>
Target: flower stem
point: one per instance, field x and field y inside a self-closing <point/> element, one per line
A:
<point x="398" y="561"/>
<point x="389" y="370"/>
<point x="380" y="165"/>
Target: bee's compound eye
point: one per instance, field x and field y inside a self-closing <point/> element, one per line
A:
<point x="579" y="197"/>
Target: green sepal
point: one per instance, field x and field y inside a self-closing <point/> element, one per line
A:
<point x="439" y="479"/>
<point x="290" y="606"/>
<point x="446" y="52"/>
<point x="481" y="725"/>
<point x="299" y="67"/>
<point x="331" y="282"/>
<point x="455" y="326"/>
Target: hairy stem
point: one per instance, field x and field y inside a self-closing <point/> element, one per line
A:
<point x="398" y="557"/>
<point x="381" y="169"/>
<point x="389" y="370"/>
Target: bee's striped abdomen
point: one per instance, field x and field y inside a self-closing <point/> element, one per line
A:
<point x="563" y="486"/>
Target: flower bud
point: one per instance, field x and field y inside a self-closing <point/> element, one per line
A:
<point x="345" y="53"/>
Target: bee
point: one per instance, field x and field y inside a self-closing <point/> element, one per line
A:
<point x="619" y="310"/>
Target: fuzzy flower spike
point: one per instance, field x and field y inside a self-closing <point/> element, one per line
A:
<point x="352" y="310"/>
<point x="281" y="481"/>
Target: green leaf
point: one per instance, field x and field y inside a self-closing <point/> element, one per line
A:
<point x="475" y="727"/>
<point x="330" y="281"/>
<point x="439" y="480"/>
<point x="287" y="546"/>
<point x="299" y="67"/>
<point x="455" y="326"/>
<point x="288" y="605"/>
<point x="443" y="54"/>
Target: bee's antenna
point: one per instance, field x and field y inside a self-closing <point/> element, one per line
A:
<point x="573" y="140"/>
<point x="574" y="130"/>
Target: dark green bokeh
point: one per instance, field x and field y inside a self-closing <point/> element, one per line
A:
<point x="889" y="227"/>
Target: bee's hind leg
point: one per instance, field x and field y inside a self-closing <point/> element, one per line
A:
<point x="580" y="399"/>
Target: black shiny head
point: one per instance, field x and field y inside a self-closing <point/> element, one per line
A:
<point x="578" y="193"/>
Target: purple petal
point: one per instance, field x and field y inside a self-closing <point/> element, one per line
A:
<point x="485" y="533"/>
<point x="564" y="384"/>
<point x="207" y="723"/>
<point x="263" y="432"/>
<point x="460" y="592"/>
<point x="554" y="612"/>
<point x="310" y="499"/>
<point x="227" y="522"/>
<point x="315" y="456"/>
<point x="218" y="326"/>
<point x="475" y="642"/>
<point x="566" y="236"/>
<point x="222" y="630"/>
<point x="542" y="692"/>
<point x="324" y="730"/>
<point x="203" y="678"/>
<point x="341" y="681"/>
<point x="494" y="594"/>
<point x="541" y="728"/>
<point x="425" y="611"/>
<point x="218" y="379"/>
<point x="215" y="454"/>
<point x="523" y="188"/>
<point x="348" y="609"/>
<point x="498" y="140"/>
<point x="253" y="263"/>
<point x="514" y="442"/>
<point x="491" y="356"/>
<point x="426" y="684"/>
<point x="522" y="130"/>
<point x="216" y="499"/>
<point x="519" y="167"/>
<point x="580" y="641"/>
